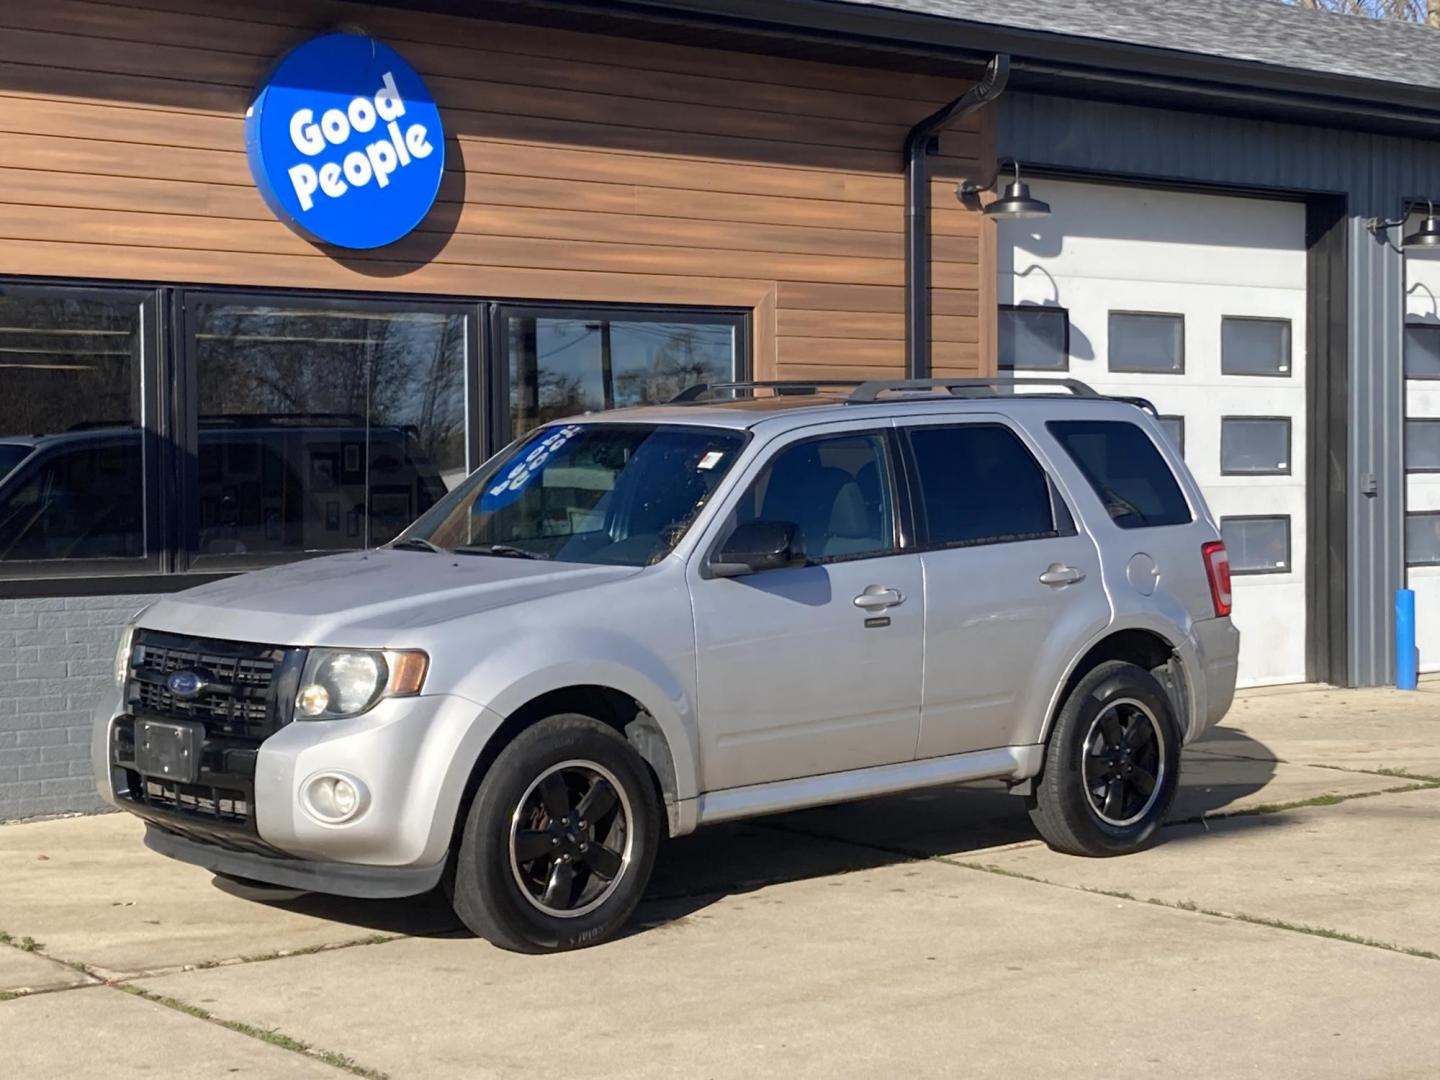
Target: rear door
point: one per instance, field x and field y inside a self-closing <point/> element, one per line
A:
<point x="1012" y="588"/>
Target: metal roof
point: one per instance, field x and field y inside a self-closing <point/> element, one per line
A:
<point x="1260" y="31"/>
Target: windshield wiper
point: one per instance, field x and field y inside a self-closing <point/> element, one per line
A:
<point x="504" y="551"/>
<point x="417" y="543"/>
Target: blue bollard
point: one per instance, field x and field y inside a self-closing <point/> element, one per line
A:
<point x="1407" y="674"/>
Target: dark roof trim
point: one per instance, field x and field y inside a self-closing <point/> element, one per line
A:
<point x="1045" y="60"/>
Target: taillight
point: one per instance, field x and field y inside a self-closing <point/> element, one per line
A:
<point x="1217" y="569"/>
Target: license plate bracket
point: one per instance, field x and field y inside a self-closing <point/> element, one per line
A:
<point x="169" y="749"/>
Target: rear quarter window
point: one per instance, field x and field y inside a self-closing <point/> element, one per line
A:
<point x="1126" y="471"/>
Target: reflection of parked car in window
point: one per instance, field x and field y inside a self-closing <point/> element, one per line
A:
<point x="652" y="619"/>
<point x="272" y="484"/>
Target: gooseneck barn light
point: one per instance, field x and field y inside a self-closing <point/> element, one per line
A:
<point x="1015" y="203"/>
<point x="1426" y="237"/>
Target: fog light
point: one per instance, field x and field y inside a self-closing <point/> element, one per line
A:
<point x="334" y="799"/>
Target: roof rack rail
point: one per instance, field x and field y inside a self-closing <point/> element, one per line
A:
<point x="781" y="387"/>
<point x="1139" y="402"/>
<point x="989" y="386"/>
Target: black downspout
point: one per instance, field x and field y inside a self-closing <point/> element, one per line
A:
<point x="919" y="145"/>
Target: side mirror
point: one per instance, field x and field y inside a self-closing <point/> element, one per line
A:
<point x="756" y="546"/>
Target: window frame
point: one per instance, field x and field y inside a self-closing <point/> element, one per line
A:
<point x="1289" y="567"/>
<point x="902" y="534"/>
<point x="20" y="578"/>
<point x="500" y="426"/>
<point x="1288" y="421"/>
<point x="1289" y="347"/>
<point x="1110" y="342"/>
<point x="170" y="421"/>
<point x="1064" y="314"/>
<point x="1060" y="511"/>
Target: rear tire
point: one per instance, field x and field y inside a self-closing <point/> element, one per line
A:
<point x="560" y="840"/>
<point x="1112" y="765"/>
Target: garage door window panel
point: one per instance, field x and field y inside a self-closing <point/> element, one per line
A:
<point x="1174" y="429"/>
<point x="1252" y="346"/>
<point x="1422" y="538"/>
<point x="1255" y="445"/>
<point x="1147" y="342"/>
<point x="1257" y="544"/>
<point x="1422" y="445"/>
<point x="979" y="484"/>
<point x="1034" y="338"/>
<point x="1125" y="470"/>
<point x="1422" y="351"/>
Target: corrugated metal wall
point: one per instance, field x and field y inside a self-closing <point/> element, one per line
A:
<point x="1376" y="174"/>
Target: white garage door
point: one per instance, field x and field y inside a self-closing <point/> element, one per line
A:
<point x="1196" y="302"/>
<point x="1422" y="447"/>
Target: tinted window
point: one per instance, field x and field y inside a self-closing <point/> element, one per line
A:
<point x="836" y="491"/>
<point x="1254" y="445"/>
<point x="1422" y="351"/>
<point x="323" y="430"/>
<point x="565" y="365"/>
<point x="979" y="484"/>
<point x="1126" y="471"/>
<point x="71" y="387"/>
<point x="1257" y="545"/>
<point x="1147" y="342"/>
<point x="1034" y="338"/>
<point x="1254" y="346"/>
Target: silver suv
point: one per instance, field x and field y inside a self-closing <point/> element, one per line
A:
<point x="757" y="598"/>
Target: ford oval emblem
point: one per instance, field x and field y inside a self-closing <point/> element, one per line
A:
<point x="185" y="684"/>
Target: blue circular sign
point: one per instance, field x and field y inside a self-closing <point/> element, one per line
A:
<point x="345" y="142"/>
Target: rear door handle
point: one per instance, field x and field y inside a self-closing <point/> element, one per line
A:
<point x="1057" y="575"/>
<point x="879" y="597"/>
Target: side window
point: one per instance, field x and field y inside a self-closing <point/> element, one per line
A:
<point x="979" y="484"/>
<point x="835" y="490"/>
<point x="1126" y="471"/>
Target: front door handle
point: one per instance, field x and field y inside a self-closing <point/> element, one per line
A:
<point x="878" y="598"/>
<point x="1058" y="575"/>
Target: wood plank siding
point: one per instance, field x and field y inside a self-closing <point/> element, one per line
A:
<point x="578" y="168"/>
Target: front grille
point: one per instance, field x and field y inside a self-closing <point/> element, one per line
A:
<point x="248" y="694"/>
<point x="242" y="700"/>
<point x="201" y="800"/>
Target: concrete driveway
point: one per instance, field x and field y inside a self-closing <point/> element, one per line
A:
<point x="1288" y="926"/>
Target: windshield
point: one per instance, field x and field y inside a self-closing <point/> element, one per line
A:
<point x="11" y="454"/>
<point x="615" y="494"/>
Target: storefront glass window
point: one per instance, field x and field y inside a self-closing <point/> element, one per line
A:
<point x="322" y="428"/>
<point x="71" y="442"/>
<point x="566" y="363"/>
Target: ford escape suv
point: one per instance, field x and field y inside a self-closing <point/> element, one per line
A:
<point x="757" y="598"/>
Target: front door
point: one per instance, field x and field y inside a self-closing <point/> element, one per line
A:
<point x="795" y="678"/>
<point x="1012" y="589"/>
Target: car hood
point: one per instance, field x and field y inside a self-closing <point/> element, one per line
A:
<point x="366" y="598"/>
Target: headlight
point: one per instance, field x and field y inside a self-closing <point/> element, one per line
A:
<point x="122" y="654"/>
<point x="339" y="683"/>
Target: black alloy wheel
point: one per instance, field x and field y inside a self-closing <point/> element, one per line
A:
<point x="570" y="838"/>
<point x="1122" y="763"/>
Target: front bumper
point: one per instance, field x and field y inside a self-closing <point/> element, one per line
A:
<point x="338" y="879"/>
<point x="411" y="756"/>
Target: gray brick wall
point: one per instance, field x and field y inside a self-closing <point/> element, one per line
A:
<point x="55" y="660"/>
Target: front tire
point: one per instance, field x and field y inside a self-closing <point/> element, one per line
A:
<point x="1112" y="765"/>
<point x="560" y="840"/>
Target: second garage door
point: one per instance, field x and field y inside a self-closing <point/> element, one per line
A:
<point x="1196" y="302"/>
